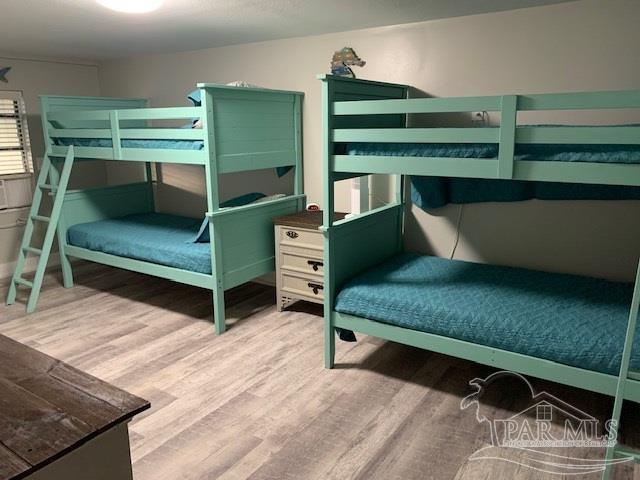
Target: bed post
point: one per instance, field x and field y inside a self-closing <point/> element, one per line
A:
<point x="327" y="223"/>
<point x="298" y="186"/>
<point x="213" y="205"/>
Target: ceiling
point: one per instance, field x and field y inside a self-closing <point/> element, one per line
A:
<point x="85" y="29"/>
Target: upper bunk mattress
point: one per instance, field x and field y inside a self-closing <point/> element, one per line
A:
<point x="150" y="237"/>
<point x="628" y="154"/>
<point x="133" y="143"/>
<point x="576" y="321"/>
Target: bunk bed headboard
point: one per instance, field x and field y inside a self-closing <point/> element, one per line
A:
<point x="355" y="244"/>
<point x="253" y="128"/>
<point x="349" y="89"/>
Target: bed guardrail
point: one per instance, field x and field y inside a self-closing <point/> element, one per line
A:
<point x="126" y="124"/>
<point x="506" y="136"/>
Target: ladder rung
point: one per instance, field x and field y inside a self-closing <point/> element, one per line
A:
<point x="24" y="282"/>
<point x="35" y="251"/>
<point x="40" y="218"/>
<point x="46" y="186"/>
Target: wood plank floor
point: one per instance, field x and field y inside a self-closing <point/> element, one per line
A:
<point x="255" y="403"/>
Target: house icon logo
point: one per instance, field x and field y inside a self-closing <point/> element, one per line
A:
<point x="541" y="435"/>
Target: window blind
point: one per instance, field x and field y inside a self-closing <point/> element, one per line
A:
<point x="15" y="150"/>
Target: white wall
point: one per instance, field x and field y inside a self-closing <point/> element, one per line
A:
<point x="583" y="45"/>
<point x="36" y="77"/>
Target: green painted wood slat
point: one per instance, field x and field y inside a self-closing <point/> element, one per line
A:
<point x="417" y="135"/>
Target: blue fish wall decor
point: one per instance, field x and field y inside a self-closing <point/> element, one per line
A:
<point x="3" y="74"/>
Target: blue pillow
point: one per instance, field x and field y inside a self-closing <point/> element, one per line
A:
<point x="246" y="199"/>
<point x="195" y="97"/>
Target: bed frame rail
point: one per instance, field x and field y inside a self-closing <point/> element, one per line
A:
<point x="119" y="119"/>
<point x="506" y="136"/>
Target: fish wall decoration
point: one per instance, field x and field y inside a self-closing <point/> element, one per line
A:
<point x="3" y="74"/>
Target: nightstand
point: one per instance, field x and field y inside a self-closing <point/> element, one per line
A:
<point x="299" y="258"/>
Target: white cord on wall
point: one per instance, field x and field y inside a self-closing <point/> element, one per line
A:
<point x="457" y="237"/>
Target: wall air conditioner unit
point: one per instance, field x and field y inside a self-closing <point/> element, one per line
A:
<point x="15" y="192"/>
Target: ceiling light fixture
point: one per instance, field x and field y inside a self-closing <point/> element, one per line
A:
<point x="131" y="6"/>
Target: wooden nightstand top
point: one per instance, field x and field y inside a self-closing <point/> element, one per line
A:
<point x="305" y="219"/>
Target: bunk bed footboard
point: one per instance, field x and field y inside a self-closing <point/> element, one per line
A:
<point x="244" y="246"/>
<point x="351" y="246"/>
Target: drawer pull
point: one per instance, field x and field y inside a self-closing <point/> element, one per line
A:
<point x="292" y="234"/>
<point x="316" y="287"/>
<point x="315" y="264"/>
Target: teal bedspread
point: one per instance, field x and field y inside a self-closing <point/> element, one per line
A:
<point x="435" y="192"/>
<point x="568" y="319"/>
<point x="628" y="154"/>
<point x="142" y="143"/>
<point x="133" y="143"/>
<point x="150" y="237"/>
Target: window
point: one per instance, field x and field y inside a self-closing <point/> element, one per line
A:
<point x="15" y="151"/>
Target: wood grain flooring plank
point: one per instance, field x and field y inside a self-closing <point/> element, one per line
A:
<point x="256" y="402"/>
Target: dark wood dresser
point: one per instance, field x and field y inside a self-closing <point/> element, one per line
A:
<point x="57" y="422"/>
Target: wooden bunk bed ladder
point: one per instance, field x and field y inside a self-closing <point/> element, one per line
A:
<point x="51" y="182"/>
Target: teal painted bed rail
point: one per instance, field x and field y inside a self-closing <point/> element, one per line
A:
<point x="354" y="111"/>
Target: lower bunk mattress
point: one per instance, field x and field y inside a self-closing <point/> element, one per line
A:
<point x="151" y="237"/>
<point x="573" y="320"/>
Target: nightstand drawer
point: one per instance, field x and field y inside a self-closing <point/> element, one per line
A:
<point x="300" y="237"/>
<point x="299" y="257"/>
<point x="311" y="288"/>
<point x="301" y="263"/>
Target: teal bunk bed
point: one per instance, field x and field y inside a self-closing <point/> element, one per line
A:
<point x="242" y="129"/>
<point x="573" y="330"/>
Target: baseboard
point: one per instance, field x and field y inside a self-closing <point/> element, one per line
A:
<point x="6" y="269"/>
<point x="269" y="279"/>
